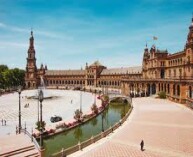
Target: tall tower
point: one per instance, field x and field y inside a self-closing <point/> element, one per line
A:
<point x="31" y="69"/>
<point x="146" y="56"/>
<point x="189" y="42"/>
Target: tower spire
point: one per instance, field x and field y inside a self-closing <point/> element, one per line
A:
<point x="31" y="40"/>
<point x="31" y="32"/>
<point x="189" y="42"/>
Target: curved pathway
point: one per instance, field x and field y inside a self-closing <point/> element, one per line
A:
<point x="166" y="128"/>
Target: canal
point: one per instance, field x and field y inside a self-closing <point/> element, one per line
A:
<point x="91" y="128"/>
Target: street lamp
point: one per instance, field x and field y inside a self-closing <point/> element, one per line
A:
<point x="124" y="109"/>
<point x="41" y="98"/>
<point x="102" y="116"/>
<point x="38" y="105"/>
<point x="19" y="92"/>
<point x="80" y="101"/>
<point x="95" y="96"/>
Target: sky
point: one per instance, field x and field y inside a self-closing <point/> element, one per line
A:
<point x="69" y="33"/>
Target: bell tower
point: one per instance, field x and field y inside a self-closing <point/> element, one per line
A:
<point x="31" y="69"/>
<point x="189" y="42"/>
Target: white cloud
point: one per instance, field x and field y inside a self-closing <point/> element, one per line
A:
<point x="2" y="25"/>
<point x="38" y="32"/>
<point x="12" y="44"/>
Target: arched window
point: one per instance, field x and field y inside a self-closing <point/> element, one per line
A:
<point x="174" y="89"/>
<point x="190" y="92"/>
<point x="188" y="59"/>
<point x="168" y="88"/>
<point x="178" y="90"/>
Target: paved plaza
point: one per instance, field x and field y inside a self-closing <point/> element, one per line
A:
<point x="64" y="105"/>
<point x="166" y="128"/>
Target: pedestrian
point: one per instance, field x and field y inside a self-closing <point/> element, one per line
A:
<point x="142" y="145"/>
<point x="5" y="122"/>
<point x="2" y="122"/>
<point x="16" y="130"/>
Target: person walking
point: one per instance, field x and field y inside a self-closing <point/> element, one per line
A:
<point x="142" y="145"/>
<point x="5" y="122"/>
<point x="2" y="122"/>
<point x="16" y="130"/>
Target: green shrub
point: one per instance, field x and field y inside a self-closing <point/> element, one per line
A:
<point x="94" y="108"/>
<point x="162" y="95"/>
<point x="38" y="125"/>
<point x="106" y="98"/>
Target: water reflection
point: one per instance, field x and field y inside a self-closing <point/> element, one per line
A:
<point x="78" y="133"/>
<point x="112" y="115"/>
<point x="94" y="122"/>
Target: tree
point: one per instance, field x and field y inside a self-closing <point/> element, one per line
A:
<point x="11" y="78"/>
<point x="3" y="68"/>
<point x="78" y="115"/>
<point x="38" y="125"/>
<point x="94" y="108"/>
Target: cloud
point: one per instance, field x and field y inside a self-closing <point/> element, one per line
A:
<point x="15" y="44"/>
<point x="2" y="24"/>
<point x="38" y="32"/>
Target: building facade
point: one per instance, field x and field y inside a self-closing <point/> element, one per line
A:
<point x="160" y="71"/>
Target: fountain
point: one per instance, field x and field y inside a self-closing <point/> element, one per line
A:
<point x="47" y="94"/>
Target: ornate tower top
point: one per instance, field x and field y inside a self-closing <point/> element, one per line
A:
<point x="146" y="52"/>
<point x="31" y="39"/>
<point x="189" y="42"/>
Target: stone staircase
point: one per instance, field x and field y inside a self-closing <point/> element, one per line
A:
<point x="17" y="146"/>
<point x="26" y="151"/>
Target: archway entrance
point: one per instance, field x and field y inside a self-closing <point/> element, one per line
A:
<point x="153" y="88"/>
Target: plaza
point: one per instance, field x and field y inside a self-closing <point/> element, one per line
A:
<point x="64" y="105"/>
<point x="165" y="126"/>
<point x="96" y="78"/>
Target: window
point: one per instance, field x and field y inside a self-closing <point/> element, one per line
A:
<point x="169" y="73"/>
<point x="188" y="59"/>
<point x="174" y="72"/>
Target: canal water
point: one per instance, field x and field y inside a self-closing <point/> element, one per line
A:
<point x="81" y="133"/>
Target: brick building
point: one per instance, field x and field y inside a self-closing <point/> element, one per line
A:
<point x="160" y="71"/>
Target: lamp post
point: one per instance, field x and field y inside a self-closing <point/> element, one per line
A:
<point x="124" y="109"/>
<point x="95" y="96"/>
<point x="41" y="98"/>
<point x="38" y="105"/>
<point x="19" y="92"/>
<point x="102" y="115"/>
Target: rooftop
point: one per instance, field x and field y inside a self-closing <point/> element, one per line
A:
<point x="127" y="70"/>
<point x="65" y="72"/>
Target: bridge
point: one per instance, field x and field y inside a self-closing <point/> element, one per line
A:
<point x="112" y="97"/>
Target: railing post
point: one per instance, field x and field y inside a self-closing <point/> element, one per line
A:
<point x="63" y="155"/>
<point x="120" y="122"/>
<point x="79" y="145"/>
<point x="32" y="134"/>
<point x="92" y="139"/>
<point x="25" y="128"/>
<point x="111" y="128"/>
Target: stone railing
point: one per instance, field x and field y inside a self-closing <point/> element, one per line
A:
<point x="189" y="103"/>
<point x="93" y="139"/>
<point x="33" y="139"/>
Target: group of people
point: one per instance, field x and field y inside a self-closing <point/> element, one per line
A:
<point x="3" y="122"/>
<point x="26" y="105"/>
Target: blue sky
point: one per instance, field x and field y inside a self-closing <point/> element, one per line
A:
<point x="69" y="33"/>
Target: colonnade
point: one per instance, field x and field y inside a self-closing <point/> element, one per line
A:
<point x="138" y="89"/>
